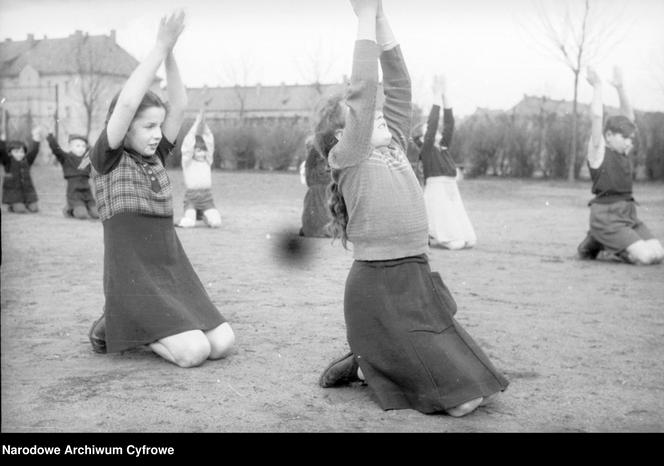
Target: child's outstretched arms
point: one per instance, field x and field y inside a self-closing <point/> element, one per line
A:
<point x="396" y="81"/>
<point x="55" y="148"/>
<point x="625" y="105"/>
<point x="355" y="143"/>
<point x="33" y="147"/>
<point x="432" y="123"/>
<point x="189" y="141"/>
<point x="140" y="80"/>
<point x="596" y="143"/>
<point x="448" y="117"/>
<point x="208" y="137"/>
<point x="177" y="99"/>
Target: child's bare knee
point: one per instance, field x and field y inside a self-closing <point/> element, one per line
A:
<point x="212" y="217"/>
<point x="194" y="355"/>
<point x="80" y="212"/>
<point x="641" y="257"/>
<point x="18" y="208"/>
<point x="222" y="340"/>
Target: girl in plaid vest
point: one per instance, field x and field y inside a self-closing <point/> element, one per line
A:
<point x="153" y="296"/>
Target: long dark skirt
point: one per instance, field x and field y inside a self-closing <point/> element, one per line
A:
<point x="315" y="212"/>
<point x="413" y="353"/>
<point x="151" y="288"/>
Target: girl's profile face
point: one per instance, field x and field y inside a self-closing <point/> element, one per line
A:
<point x="145" y="130"/>
<point x="381" y="135"/>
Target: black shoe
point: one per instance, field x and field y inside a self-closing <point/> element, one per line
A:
<point x="341" y="372"/>
<point x="97" y="335"/>
<point x="589" y="248"/>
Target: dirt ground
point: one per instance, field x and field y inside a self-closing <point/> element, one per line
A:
<point x="582" y="343"/>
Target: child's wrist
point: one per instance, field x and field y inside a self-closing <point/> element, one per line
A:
<point x="162" y="48"/>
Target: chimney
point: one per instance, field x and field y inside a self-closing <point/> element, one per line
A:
<point x="112" y="35"/>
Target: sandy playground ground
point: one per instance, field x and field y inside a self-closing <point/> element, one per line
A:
<point x="582" y="343"/>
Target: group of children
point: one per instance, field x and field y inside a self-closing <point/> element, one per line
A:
<point x="405" y="342"/>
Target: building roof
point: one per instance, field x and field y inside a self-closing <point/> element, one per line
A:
<point x="295" y="98"/>
<point x="532" y="105"/>
<point x="70" y="55"/>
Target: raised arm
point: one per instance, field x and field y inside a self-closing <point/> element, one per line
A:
<point x="355" y="142"/>
<point x="177" y="99"/>
<point x="448" y="115"/>
<point x="188" y="142"/>
<point x="55" y="148"/>
<point x="33" y="146"/>
<point x="430" y="134"/>
<point x="596" y="143"/>
<point x="4" y="155"/>
<point x="625" y="105"/>
<point x="141" y="79"/>
<point x="396" y="81"/>
<point x="208" y="137"/>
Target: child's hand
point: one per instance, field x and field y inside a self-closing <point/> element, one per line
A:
<point x="38" y="133"/>
<point x="368" y="6"/>
<point x="439" y="86"/>
<point x="170" y="29"/>
<point x="592" y="77"/>
<point x="617" y="80"/>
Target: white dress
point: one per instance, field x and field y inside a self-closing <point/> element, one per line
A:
<point x="449" y="225"/>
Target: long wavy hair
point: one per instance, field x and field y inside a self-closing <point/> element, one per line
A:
<point x="330" y="117"/>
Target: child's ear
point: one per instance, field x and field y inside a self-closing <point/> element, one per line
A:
<point x="338" y="133"/>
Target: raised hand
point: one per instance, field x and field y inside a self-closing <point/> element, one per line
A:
<point x="592" y="77"/>
<point x="617" y="80"/>
<point x="439" y="85"/>
<point x="365" y="6"/>
<point x="380" y="13"/>
<point x="38" y="133"/>
<point x="170" y="29"/>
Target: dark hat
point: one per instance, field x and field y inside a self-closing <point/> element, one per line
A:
<point x="16" y="144"/>
<point x="620" y="124"/>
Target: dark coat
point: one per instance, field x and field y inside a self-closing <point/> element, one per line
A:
<point x="17" y="186"/>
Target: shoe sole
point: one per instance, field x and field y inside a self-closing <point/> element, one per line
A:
<point x="98" y="345"/>
<point x="332" y="364"/>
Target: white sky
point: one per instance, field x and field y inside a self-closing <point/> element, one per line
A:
<point x="483" y="46"/>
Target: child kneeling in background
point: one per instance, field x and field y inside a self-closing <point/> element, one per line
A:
<point x="197" y="152"/>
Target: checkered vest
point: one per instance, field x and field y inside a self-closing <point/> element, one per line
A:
<point x="134" y="187"/>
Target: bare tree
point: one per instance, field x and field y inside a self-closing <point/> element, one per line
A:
<point x="656" y="67"/>
<point x="578" y="37"/>
<point x="90" y="79"/>
<point x="239" y="73"/>
<point x="315" y="66"/>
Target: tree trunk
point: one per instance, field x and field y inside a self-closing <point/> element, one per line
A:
<point x="572" y="156"/>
